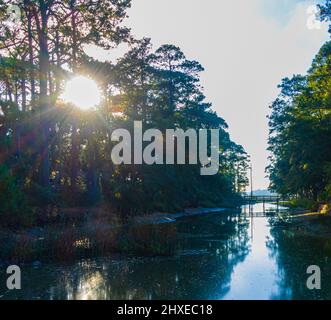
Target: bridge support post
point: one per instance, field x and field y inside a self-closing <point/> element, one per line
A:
<point x="263" y="205"/>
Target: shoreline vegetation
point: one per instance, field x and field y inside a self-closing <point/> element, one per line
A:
<point x="91" y="232"/>
<point x="307" y="218"/>
<point x="308" y="208"/>
<point x="300" y="137"/>
<point x="314" y="224"/>
<point x="78" y="233"/>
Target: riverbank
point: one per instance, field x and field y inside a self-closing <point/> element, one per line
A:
<point x="84" y="233"/>
<point x="317" y="224"/>
<point x="159" y="218"/>
<point x="314" y="224"/>
<point x="307" y="218"/>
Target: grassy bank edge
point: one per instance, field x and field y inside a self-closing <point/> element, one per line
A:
<point x="98" y="234"/>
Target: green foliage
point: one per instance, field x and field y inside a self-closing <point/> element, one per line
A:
<point x="300" y="133"/>
<point x="325" y="9"/>
<point x="14" y="210"/>
<point x="302" y="203"/>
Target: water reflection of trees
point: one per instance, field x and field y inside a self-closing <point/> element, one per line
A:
<point x="207" y="251"/>
<point x="294" y="253"/>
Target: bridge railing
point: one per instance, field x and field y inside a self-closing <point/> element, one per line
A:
<point x="249" y="198"/>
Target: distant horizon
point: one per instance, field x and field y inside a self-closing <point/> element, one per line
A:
<point x="261" y="191"/>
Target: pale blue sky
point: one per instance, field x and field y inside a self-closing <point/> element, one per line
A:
<point x="246" y="47"/>
<point x="280" y="9"/>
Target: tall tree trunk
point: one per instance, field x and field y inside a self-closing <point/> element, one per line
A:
<point x="93" y="188"/>
<point x="31" y="57"/>
<point x="24" y="94"/>
<point x="58" y="63"/>
<point x="74" y="138"/>
<point x="74" y="34"/>
<point x="44" y="99"/>
<point x="17" y="126"/>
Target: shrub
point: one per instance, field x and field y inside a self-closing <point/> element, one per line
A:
<point x="14" y="209"/>
<point x="303" y="203"/>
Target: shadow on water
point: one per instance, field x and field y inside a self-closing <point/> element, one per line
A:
<point x="294" y="254"/>
<point x="219" y="256"/>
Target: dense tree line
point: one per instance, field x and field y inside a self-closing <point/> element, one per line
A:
<point x="300" y="130"/>
<point x="52" y="153"/>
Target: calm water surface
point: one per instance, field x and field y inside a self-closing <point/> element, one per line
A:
<point x="220" y="256"/>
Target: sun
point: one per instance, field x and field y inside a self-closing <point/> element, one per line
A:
<point x="82" y="92"/>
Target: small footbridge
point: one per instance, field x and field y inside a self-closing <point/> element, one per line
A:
<point x="251" y="200"/>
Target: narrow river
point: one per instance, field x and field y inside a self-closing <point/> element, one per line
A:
<point x="217" y="256"/>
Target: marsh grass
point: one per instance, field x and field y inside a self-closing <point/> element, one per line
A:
<point x="96" y="234"/>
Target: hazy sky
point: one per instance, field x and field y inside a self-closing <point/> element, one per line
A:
<point x="246" y="47"/>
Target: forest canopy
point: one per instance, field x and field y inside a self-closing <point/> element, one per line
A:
<point x="300" y="129"/>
